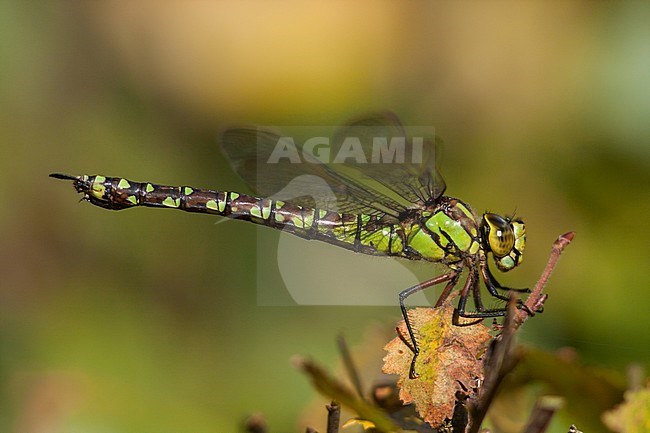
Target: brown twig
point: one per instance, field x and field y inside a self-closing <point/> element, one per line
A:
<point x="542" y="413"/>
<point x="498" y="364"/>
<point x="536" y="299"/>
<point x="333" y="417"/>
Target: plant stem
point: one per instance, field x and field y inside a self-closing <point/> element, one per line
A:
<point x="542" y="413"/>
<point x="535" y="301"/>
<point x="333" y="417"/>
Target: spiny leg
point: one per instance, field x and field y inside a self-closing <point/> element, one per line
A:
<point x="493" y="285"/>
<point x="476" y="291"/>
<point x="447" y="290"/>
<point x="472" y="283"/>
<point x="452" y="277"/>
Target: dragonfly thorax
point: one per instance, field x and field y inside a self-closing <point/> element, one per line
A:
<point x="505" y="238"/>
<point x="447" y="232"/>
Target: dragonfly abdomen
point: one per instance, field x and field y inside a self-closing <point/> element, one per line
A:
<point x="361" y="233"/>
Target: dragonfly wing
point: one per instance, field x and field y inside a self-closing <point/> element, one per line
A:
<point x="310" y="184"/>
<point x="275" y="166"/>
<point x="405" y="165"/>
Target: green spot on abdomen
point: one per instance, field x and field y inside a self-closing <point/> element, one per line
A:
<point x="171" y="202"/>
<point x="123" y="183"/>
<point x="304" y="220"/>
<point x="97" y="189"/>
<point x="266" y="210"/>
<point x="212" y="204"/>
<point x="262" y="210"/>
<point x="256" y="212"/>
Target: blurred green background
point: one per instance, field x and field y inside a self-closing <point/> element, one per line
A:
<point x="147" y="320"/>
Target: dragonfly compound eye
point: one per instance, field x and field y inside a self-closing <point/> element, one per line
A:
<point x="500" y="234"/>
<point x="506" y="239"/>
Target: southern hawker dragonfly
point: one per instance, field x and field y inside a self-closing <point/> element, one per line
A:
<point x="391" y="208"/>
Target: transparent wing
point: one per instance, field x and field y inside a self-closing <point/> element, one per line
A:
<point x="370" y="166"/>
<point x="406" y="165"/>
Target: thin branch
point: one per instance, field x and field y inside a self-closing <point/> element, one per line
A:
<point x="535" y="302"/>
<point x="350" y="368"/>
<point x="498" y="364"/>
<point x="333" y="417"/>
<point x="542" y="413"/>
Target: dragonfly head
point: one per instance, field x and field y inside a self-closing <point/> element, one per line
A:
<point x="505" y="238"/>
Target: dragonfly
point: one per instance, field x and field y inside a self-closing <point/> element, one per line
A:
<point x="359" y="202"/>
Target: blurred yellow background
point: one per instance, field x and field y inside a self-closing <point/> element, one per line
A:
<point x="146" y="320"/>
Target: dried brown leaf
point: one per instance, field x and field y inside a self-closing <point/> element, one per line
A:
<point x="449" y="356"/>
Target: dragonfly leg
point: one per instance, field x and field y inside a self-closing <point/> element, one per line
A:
<point x="476" y="293"/>
<point x="492" y="284"/>
<point x="472" y="284"/>
<point x="447" y="290"/>
<point x="452" y="277"/>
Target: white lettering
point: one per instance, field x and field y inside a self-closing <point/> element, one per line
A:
<point x="284" y="148"/>
<point x="417" y="146"/>
<point x="351" y="148"/>
<point x="317" y="150"/>
<point x="321" y="154"/>
<point x="383" y="152"/>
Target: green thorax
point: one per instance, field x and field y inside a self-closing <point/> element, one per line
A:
<point x="446" y="233"/>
